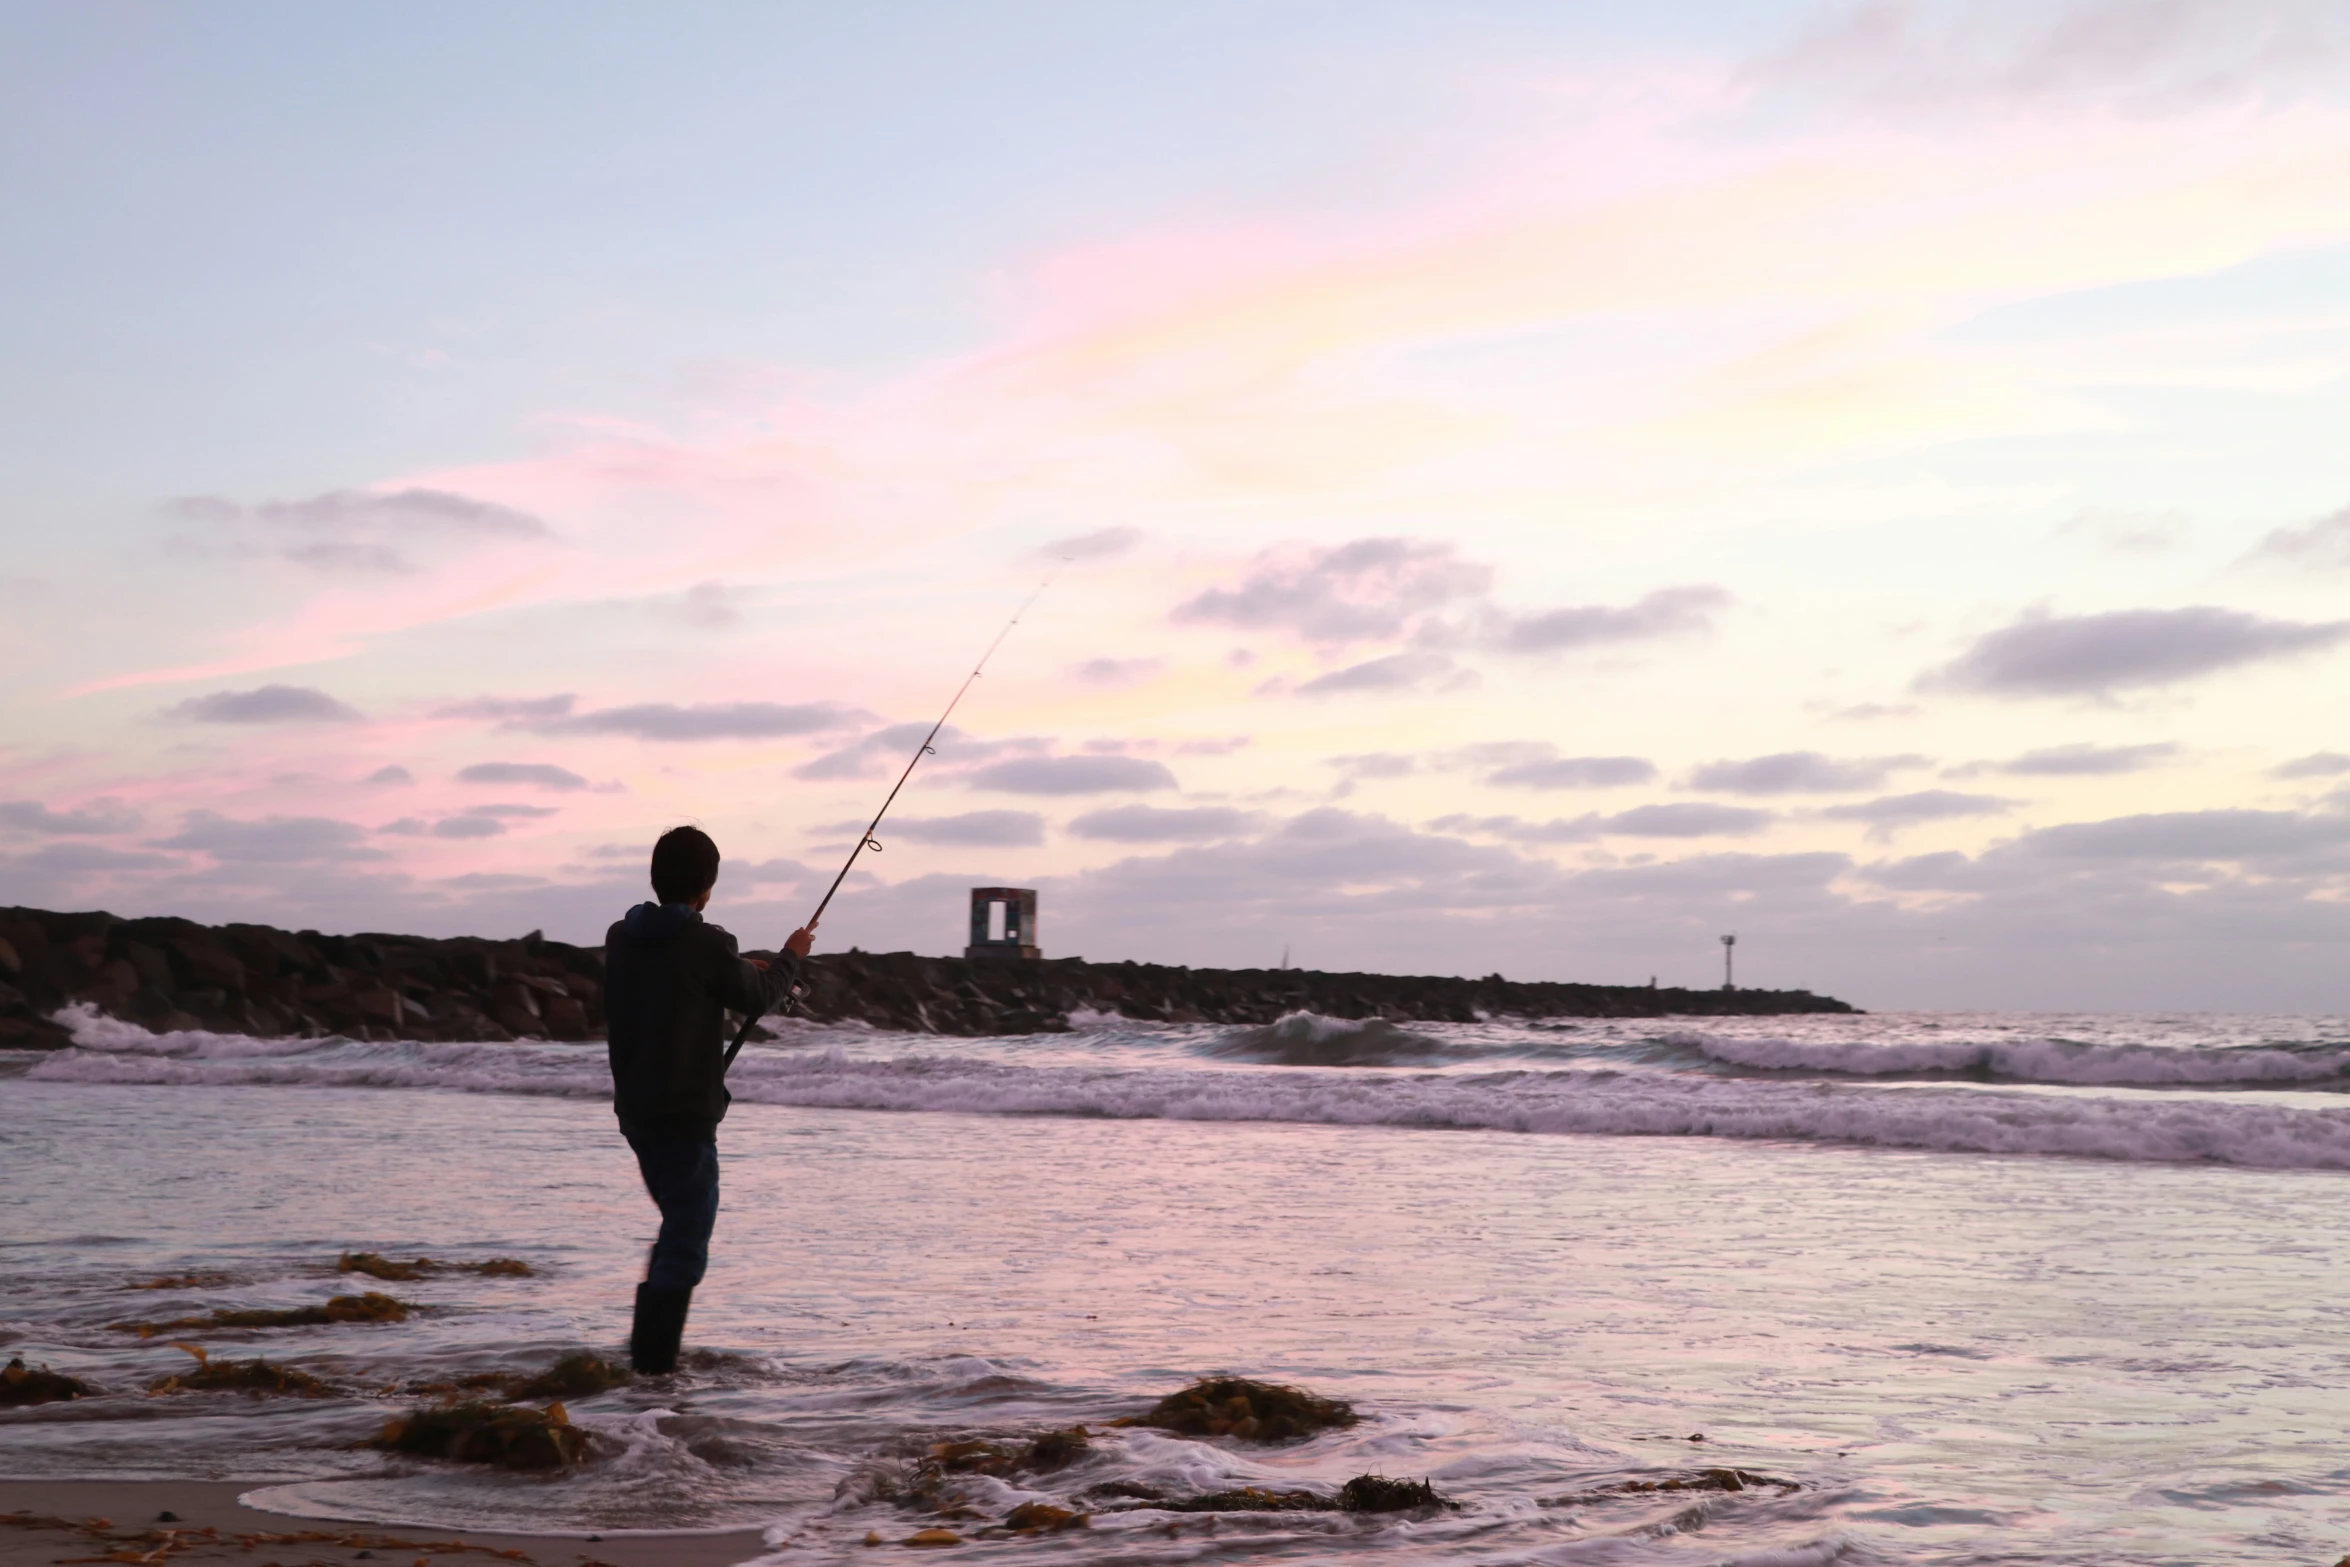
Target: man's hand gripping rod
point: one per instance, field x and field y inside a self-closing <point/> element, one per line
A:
<point x="866" y="840"/>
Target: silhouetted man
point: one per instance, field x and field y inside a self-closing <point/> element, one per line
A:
<point x="670" y="979"/>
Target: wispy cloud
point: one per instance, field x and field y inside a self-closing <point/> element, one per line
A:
<point x="96" y="818"/>
<point x="1054" y="775"/>
<point x="1799" y="772"/>
<point x="2045" y="655"/>
<point x="265" y="705"/>
<point x="661" y="721"/>
<point x="2077" y="760"/>
<point x="1890" y="814"/>
<point x="1666" y="612"/>
<point x="1433" y="673"/>
<point x="980" y="829"/>
<point x="1688" y="819"/>
<point x="1101" y="544"/>
<point x="1370" y="589"/>
<point x="2323" y="544"/>
<point x="542" y="775"/>
<point x="347" y="530"/>
<point x="1574" y="772"/>
<point x="271" y="839"/>
<point x="1157" y="824"/>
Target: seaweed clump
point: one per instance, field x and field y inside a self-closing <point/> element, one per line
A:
<point x="1053" y="1450"/>
<point x="1694" y="1480"/>
<point x="1041" y="1517"/>
<point x="576" y="1375"/>
<point x="257" y="1377"/>
<point x="21" y="1385"/>
<point x="184" y="1281"/>
<point x="369" y="1307"/>
<point x="1250" y="1411"/>
<point x="1362" y="1494"/>
<point x="376" y="1266"/>
<point x="1378" y="1494"/>
<point x="510" y="1436"/>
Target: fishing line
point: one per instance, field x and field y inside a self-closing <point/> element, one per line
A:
<point x="866" y="840"/>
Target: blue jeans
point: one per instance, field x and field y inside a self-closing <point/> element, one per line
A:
<point x="682" y="1176"/>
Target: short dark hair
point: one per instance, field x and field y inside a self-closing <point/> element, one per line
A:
<point x="685" y="865"/>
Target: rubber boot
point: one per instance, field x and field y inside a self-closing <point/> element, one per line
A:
<point x="659" y="1328"/>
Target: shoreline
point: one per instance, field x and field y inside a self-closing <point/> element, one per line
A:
<point x="132" y="1509"/>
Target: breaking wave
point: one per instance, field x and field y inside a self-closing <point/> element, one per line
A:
<point x="1310" y="1039"/>
<point x="2141" y="1127"/>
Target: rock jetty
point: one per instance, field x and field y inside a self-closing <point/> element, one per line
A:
<point x="176" y="974"/>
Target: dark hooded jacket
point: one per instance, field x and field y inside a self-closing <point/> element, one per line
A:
<point x="670" y="978"/>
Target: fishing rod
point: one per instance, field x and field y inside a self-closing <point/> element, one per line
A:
<point x="866" y="840"/>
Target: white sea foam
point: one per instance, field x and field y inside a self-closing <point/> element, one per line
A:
<point x="2133" y="1127"/>
<point x="2024" y="1060"/>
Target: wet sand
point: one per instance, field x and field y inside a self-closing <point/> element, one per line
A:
<point x="95" y="1519"/>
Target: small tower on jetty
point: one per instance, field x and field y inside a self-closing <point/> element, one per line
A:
<point x="1729" y="979"/>
<point x="1011" y="934"/>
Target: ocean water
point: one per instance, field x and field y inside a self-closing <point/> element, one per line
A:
<point x="1973" y="1288"/>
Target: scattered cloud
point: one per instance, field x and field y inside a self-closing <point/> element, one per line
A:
<point x="1373" y="764"/>
<point x="1687" y="819"/>
<point x="2317" y="764"/>
<point x="1869" y="712"/>
<point x="1390" y="589"/>
<point x="2324" y="544"/>
<point x="1666" y="612"/>
<point x="2129" y="56"/>
<point x="987" y="829"/>
<point x="527" y="712"/>
<point x="1053" y="775"/>
<point x="1398" y="672"/>
<point x="708" y="606"/>
<point x="70" y="859"/>
<point x="1798" y="772"/>
<point x="2227" y="835"/>
<point x="542" y="775"/>
<point x="1223" y="745"/>
<point x="270" y="839"/>
<point x="1574" y="772"/>
<point x="2097" y="655"/>
<point x="513" y="811"/>
<point x="392" y="774"/>
<point x="1889" y="814"/>
<point x="346" y="530"/>
<point x="2128" y="532"/>
<point x="1559" y="829"/>
<point x="1102" y="544"/>
<point x="1116" y="671"/>
<point x="660" y="721"/>
<point x="93" y="819"/>
<point x="271" y="704"/>
<point x="888" y="748"/>
<point x="1153" y="824"/>
<point x="2079" y="760"/>
<point x="468" y="826"/>
<point x="1368" y="590"/>
<point x="668" y="721"/>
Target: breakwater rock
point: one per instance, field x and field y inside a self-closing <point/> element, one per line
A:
<point x="175" y="974"/>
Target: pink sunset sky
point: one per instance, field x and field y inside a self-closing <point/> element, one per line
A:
<point x="1522" y="492"/>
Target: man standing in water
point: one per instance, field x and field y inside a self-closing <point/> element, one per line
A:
<point x="670" y="978"/>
